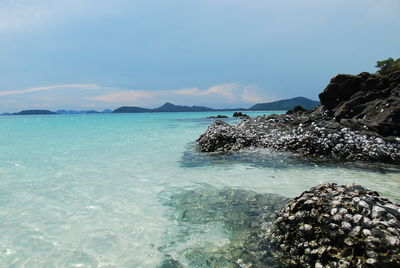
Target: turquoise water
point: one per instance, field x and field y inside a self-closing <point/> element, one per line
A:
<point x="90" y="190"/>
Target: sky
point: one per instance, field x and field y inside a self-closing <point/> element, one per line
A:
<point x="97" y="54"/>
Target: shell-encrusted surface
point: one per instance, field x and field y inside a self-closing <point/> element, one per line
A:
<point x="338" y="226"/>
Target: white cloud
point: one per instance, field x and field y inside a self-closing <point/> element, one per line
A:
<point x="226" y="90"/>
<point x="93" y="95"/>
<point x="127" y="96"/>
<point x="225" y="94"/>
<point x="252" y="94"/>
<point x="52" y="87"/>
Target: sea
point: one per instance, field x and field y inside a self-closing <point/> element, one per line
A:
<point x="114" y="190"/>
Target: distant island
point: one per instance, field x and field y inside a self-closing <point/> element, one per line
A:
<point x="131" y="109"/>
<point x="83" y="112"/>
<point x="287" y="104"/>
<point x="32" y="112"/>
<point x="47" y="112"/>
<point x="281" y="105"/>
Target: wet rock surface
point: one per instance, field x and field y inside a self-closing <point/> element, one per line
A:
<point x="358" y="120"/>
<point x="338" y="226"/>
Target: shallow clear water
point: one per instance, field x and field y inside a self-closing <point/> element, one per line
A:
<point x="93" y="190"/>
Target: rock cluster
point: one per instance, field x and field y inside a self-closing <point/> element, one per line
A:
<point x="217" y="116"/>
<point x="338" y="226"/>
<point x="365" y="100"/>
<point x="240" y="114"/>
<point x="348" y="125"/>
<point x="317" y="138"/>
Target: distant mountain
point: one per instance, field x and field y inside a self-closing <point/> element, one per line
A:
<point x="131" y="109"/>
<point x="70" y="112"/>
<point x="169" y="107"/>
<point x="34" y="112"/>
<point x="287" y="104"/>
<point x="6" y="114"/>
<point x="83" y="112"/>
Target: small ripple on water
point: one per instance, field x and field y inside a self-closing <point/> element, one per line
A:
<point x="209" y="212"/>
<point x="270" y="158"/>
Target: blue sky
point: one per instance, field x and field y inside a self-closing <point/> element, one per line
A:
<point x="85" y="54"/>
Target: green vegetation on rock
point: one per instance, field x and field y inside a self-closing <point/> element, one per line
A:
<point x="388" y="66"/>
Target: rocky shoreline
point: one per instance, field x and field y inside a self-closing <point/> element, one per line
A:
<point x="330" y="225"/>
<point x="359" y="119"/>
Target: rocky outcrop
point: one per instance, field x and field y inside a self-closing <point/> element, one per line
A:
<point x="240" y="114"/>
<point x="367" y="132"/>
<point x="315" y="138"/>
<point x="366" y="100"/>
<point x="297" y="109"/>
<point x="217" y="116"/>
<point x="338" y="226"/>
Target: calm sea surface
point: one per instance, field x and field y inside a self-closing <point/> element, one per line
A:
<point x="93" y="190"/>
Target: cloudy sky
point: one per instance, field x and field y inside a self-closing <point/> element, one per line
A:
<point x="96" y="54"/>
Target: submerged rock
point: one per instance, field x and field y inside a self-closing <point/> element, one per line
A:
<point x="241" y="214"/>
<point x="338" y="226"/>
<point x="170" y="263"/>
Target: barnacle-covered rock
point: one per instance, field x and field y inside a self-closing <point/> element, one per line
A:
<point x="357" y="120"/>
<point x="340" y="226"/>
<point x="222" y="137"/>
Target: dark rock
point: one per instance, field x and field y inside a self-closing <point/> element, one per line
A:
<point x="238" y="114"/>
<point x="297" y="109"/>
<point x="170" y="263"/>
<point x="373" y="99"/>
<point x="338" y="226"/>
<point x="217" y="116"/>
<point x="241" y="115"/>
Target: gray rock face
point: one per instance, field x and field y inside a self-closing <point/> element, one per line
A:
<point x="368" y="99"/>
<point x="339" y="226"/>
